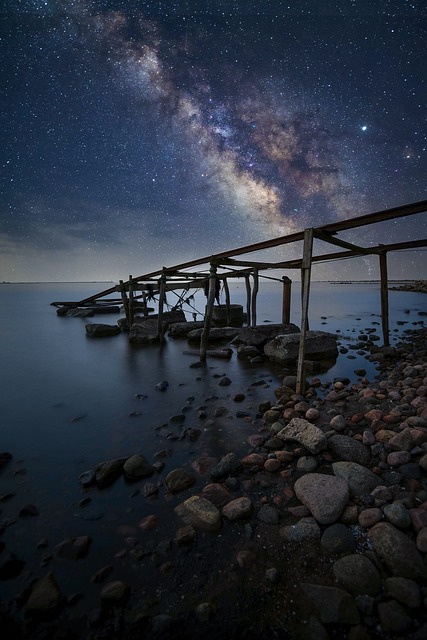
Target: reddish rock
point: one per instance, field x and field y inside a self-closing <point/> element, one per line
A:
<point x="217" y="494"/>
<point x="368" y="517"/>
<point x="148" y="523"/>
<point x="374" y="414"/>
<point x="253" y="459"/>
<point x="272" y="465"/>
<point x="238" y="509"/>
<point x="418" y="519"/>
<point x="185" y="535"/>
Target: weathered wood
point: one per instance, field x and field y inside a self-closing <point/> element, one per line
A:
<point x="125" y="302"/>
<point x="254" y="295"/>
<point x="227" y="302"/>
<point x="208" y="316"/>
<point x="384" y="299"/>
<point x="162" y="294"/>
<point x="305" y="285"/>
<point x="248" y="299"/>
<point x="286" y="300"/>
<point x="131" y="308"/>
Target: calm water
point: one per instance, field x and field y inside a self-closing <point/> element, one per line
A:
<point x="67" y="400"/>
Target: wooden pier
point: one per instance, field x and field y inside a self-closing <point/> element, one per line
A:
<point x="219" y="268"/>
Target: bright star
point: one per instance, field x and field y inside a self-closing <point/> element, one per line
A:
<point x="364" y="127"/>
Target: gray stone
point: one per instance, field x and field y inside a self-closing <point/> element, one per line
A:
<point x="325" y="496"/>
<point x="238" y="509"/>
<point x="393" y="617"/>
<point x="361" y="481"/>
<point x="349" y="449"/>
<point x="200" y="514"/>
<point x="406" y="591"/>
<point x="228" y="465"/>
<point x="216" y="334"/>
<point x="305" y="529"/>
<point x="101" y="330"/>
<point x="358" y="574"/>
<point x="397" y="551"/>
<point x="114" y="593"/>
<point x="398" y="515"/>
<point x="306" y="464"/>
<point x="179" y="480"/>
<point x="73" y="548"/>
<point x="107" y="472"/>
<point x="268" y="514"/>
<point x="259" y="335"/>
<point x="45" y="596"/>
<point x="307" y="434"/>
<point x="137" y="467"/>
<point x="338" y="539"/>
<point x="319" y="345"/>
<point x="331" y="605"/>
<point x="182" y="329"/>
<point x="145" y="332"/>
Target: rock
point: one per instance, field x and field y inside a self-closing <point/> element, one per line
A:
<point x="397" y="551"/>
<point x="200" y="514"/>
<point x="284" y="348"/>
<point x="185" y="535"/>
<point x="338" y="539"/>
<point x="368" y="517"/>
<point x="398" y="515"/>
<point x="28" y="511"/>
<point x="358" y="574"/>
<point x="325" y="496"/>
<point x="10" y="566"/>
<point x="182" y="329"/>
<point x="397" y="458"/>
<point x="45" y="596"/>
<point x="305" y="433"/>
<point x="216" y="334"/>
<point x="422" y="540"/>
<point x="338" y="423"/>
<point x="360" y="480"/>
<point x="253" y="459"/>
<point x="145" y="332"/>
<point x="393" y="617"/>
<point x="107" y="472"/>
<point x="349" y="449"/>
<point x="305" y="529"/>
<point x="268" y="515"/>
<point x="259" y="335"/>
<point x="179" y="480"/>
<point x="228" y="465"/>
<point x="5" y="458"/>
<point x="307" y="464"/>
<point x="407" y="592"/>
<point x="217" y="494"/>
<point x="204" y="611"/>
<point x="272" y="465"/>
<point x="238" y="509"/>
<point x="102" y="574"/>
<point x="331" y="605"/>
<point x="101" y="330"/>
<point x="402" y="441"/>
<point x="78" y="313"/>
<point x="73" y="548"/>
<point x="137" y="467"/>
<point x="272" y="575"/>
<point x="87" y="478"/>
<point x="114" y="593"/>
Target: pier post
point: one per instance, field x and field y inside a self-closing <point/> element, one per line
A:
<point x="131" y="309"/>
<point x="144" y="305"/>
<point x="305" y="289"/>
<point x="227" y="302"/>
<point x="248" y="300"/>
<point x="208" y="316"/>
<point x="286" y="300"/>
<point x="162" y="291"/>
<point x="254" y="295"/>
<point x="384" y="299"/>
<point x="125" y="301"/>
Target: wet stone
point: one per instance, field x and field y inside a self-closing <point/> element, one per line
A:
<point x="268" y="514"/>
<point x="338" y="539"/>
<point x="358" y="574"/>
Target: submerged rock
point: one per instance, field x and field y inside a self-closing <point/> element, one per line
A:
<point x="45" y="597"/>
<point x="101" y="330"/>
<point x="200" y="514"/>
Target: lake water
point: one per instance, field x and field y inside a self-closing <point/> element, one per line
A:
<point x="67" y="402"/>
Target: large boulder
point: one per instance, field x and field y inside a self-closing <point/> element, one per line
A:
<point x="325" y="496"/>
<point x="145" y="332"/>
<point x="259" y="335"/>
<point x="349" y="449"/>
<point x="399" y="552"/>
<point x="182" y="329"/>
<point x="137" y="467"/>
<point x="216" y="334"/>
<point x="95" y="330"/>
<point x="361" y="481"/>
<point x="319" y="345"/>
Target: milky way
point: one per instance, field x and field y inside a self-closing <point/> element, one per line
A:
<point x="154" y="132"/>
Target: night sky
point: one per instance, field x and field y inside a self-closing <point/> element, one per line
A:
<point x="141" y="134"/>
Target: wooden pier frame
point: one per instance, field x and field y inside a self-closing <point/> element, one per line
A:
<point x="224" y="265"/>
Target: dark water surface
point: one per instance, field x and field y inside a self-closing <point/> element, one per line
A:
<point x="67" y="400"/>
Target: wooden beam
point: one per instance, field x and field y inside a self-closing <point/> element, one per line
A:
<point x="131" y="307"/>
<point x="286" y="300"/>
<point x="125" y="302"/>
<point x="384" y="299"/>
<point x="208" y="316"/>
<point x="254" y="296"/>
<point x="328" y="237"/>
<point x="162" y="295"/>
<point x="305" y="285"/>
<point x="248" y="299"/>
<point x="227" y="302"/>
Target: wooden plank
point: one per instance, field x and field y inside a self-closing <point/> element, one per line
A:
<point x="248" y="299"/>
<point x="254" y="296"/>
<point x="227" y="302"/>
<point x="305" y="284"/>
<point x="328" y="237"/>
<point x="384" y="299"/>
<point x="125" y="302"/>
<point x="131" y="307"/>
<point x="162" y="294"/>
<point x="286" y="300"/>
<point x="208" y="316"/>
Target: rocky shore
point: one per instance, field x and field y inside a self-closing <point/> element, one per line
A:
<point x="420" y="286"/>
<point x="316" y="528"/>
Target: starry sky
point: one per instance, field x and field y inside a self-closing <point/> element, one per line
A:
<point x="145" y="133"/>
